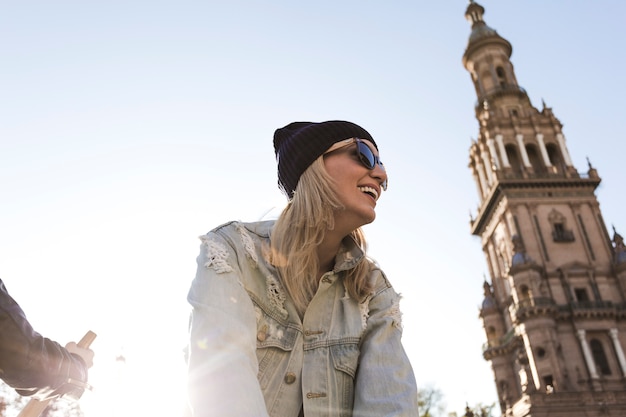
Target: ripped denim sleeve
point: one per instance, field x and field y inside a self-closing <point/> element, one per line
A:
<point x="216" y="255"/>
<point x="395" y="313"/>
<point x="388" y="303"/>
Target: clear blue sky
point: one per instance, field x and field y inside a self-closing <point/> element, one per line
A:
<point x="127" y="129"/>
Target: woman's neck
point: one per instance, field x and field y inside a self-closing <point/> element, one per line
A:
<point x="327" y="252"/>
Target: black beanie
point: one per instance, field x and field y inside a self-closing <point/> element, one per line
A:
<point x="298" y="144"/>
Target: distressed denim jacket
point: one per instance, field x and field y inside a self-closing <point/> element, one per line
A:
<point x="251" y="355"/>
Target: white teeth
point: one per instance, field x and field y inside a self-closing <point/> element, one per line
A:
<point x="369" y="190"/>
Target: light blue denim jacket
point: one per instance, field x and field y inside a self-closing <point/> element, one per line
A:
<point x="251" y="355"/>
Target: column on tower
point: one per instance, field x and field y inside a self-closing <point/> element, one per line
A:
<point x="587" y="353"/>
<point x="531" y="360"/>
<point x="522" y="149"/>
<point x="544" y="151"/>
<point x="561" y="139"/>
<point x="481" y="177"/>
<point x="618" y="350"/>
<point x="492" y="152"/>
<point x="478" y="170"/>
<point x="505" y="159"/>
<point x="487" y="164"/>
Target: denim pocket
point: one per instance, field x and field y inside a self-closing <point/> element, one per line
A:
<point x="346" y="361"/>
<point x="275" y="340"/>
<point x="345" y="358"/>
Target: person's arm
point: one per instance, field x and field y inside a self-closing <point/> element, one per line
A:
<point x="222" y="362"/>
<point x="385" y="383"/>
<point x="32" y="364"/>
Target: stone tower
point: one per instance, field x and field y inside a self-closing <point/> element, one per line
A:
<point x="554" y="310"/>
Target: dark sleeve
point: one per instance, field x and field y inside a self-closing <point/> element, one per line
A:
<point x="32" y="364"/>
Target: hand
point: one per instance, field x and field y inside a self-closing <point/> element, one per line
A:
<point x="85" y="353"/>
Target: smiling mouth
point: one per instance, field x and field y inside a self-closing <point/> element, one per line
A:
<point x="370" y="191"/>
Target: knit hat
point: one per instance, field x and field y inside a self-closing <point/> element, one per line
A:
<point x="298" y="144"/>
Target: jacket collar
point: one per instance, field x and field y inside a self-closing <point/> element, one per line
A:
<point x="350" y="254"/>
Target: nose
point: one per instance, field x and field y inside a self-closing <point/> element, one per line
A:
<point x="380" y="175"/>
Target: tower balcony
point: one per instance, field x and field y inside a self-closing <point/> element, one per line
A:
<point x="548" y="173"/>
<point x="499" y="91"/>
<point x="592" y="309"/>
<point x="546" y="307"/>
<point x="501" y="346"/>
<point x="533" y="307"/>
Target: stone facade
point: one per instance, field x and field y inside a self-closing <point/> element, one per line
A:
<point x="554" y="310"/>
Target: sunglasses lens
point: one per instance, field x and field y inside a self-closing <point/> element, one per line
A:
<point x="366" y="156"/>
<point x="368" y="159"/>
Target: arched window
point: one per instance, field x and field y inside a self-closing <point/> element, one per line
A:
<point x="514" y="159"/>
<point x="535" y="160"/>
<point x="524" y="292"/>
<point x="491" y="336"/>
<point x="501" y="76"/>
<point x="554" y="154"/>
<point x="599" y="357"/>
<point x="560" y="232"/>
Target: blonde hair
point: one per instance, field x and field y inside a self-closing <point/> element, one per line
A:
<point x="301" y="228"/>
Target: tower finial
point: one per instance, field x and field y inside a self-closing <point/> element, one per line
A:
<point x="620" y="247"/>
<point x="474" y="13"/>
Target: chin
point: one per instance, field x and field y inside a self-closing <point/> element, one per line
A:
<point x="356" y="218"/>
<point x="369" y="218"/>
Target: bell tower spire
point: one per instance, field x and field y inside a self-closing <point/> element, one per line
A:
<point x="516" y="140"/>
<point x="554" y="311"/>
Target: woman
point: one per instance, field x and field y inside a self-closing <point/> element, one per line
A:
<point x="289" y="317"/>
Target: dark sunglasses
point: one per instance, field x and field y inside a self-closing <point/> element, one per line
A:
<point x="367" y="158"/>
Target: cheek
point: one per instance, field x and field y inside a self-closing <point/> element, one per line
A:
<point x="344" y="171"/>
<point x="333" y="168"/>
<point x="340" y="167"/>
